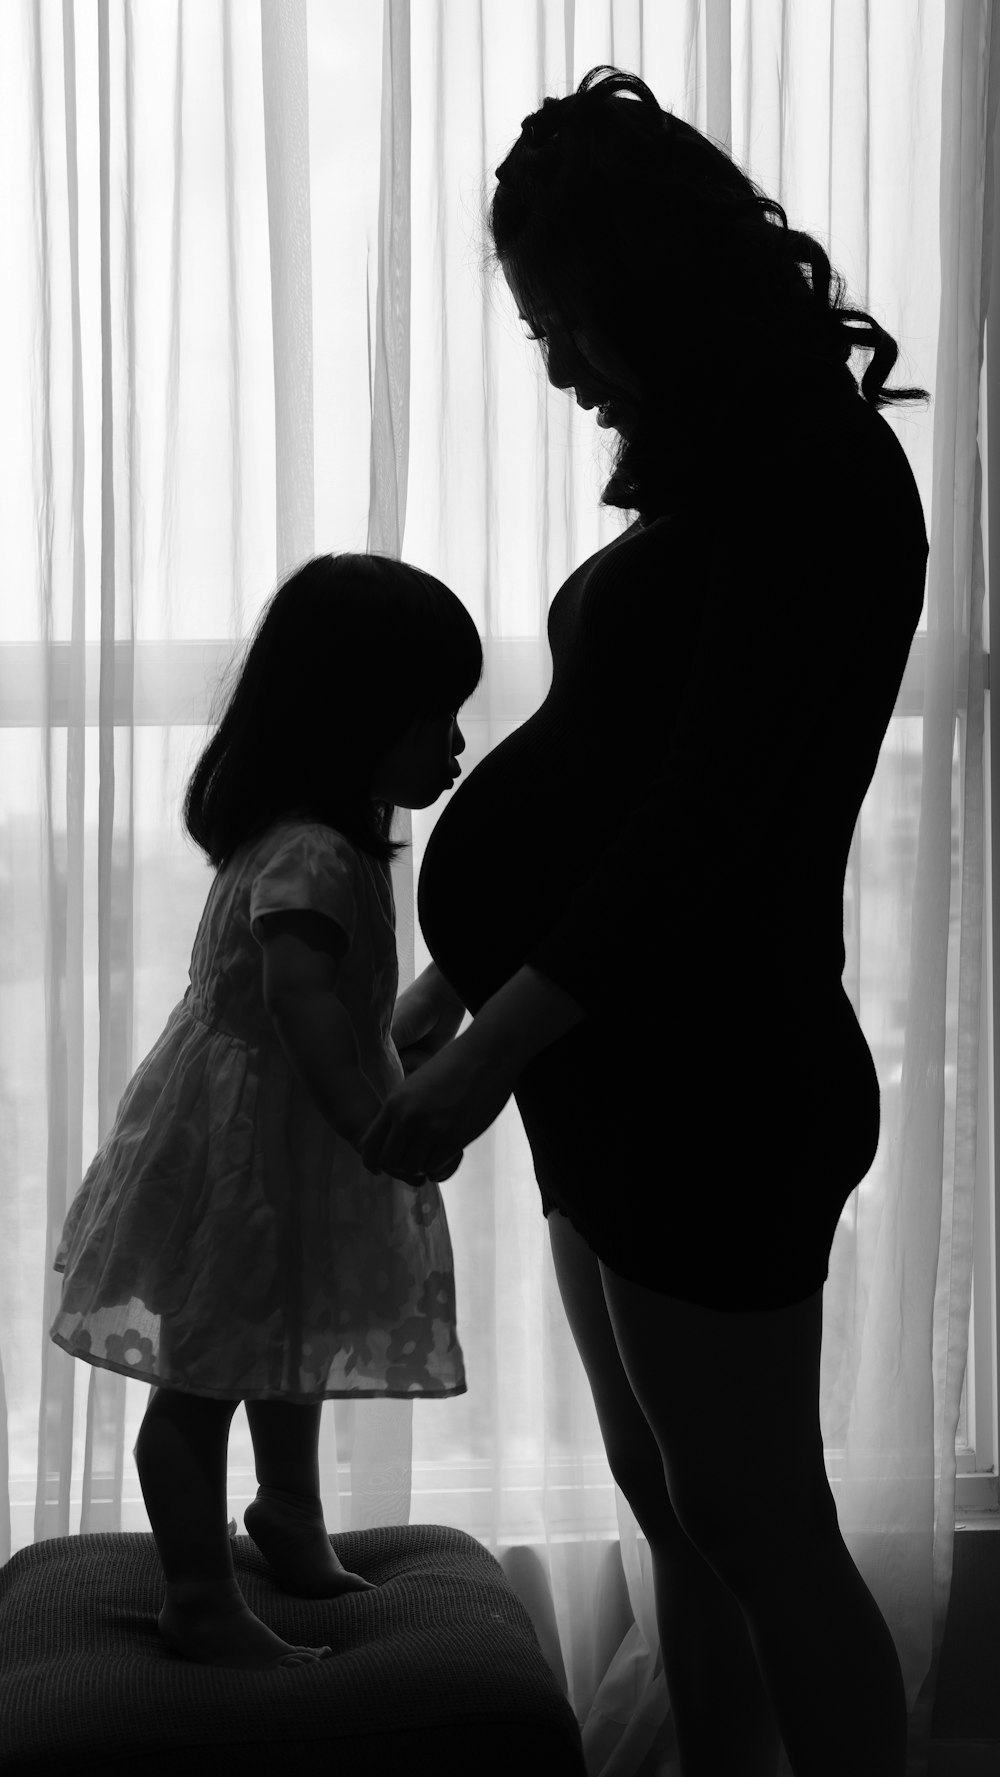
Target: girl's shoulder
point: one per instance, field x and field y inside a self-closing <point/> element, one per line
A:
<point x="302" y="863"/>
<point x="300" y="827"/>
<point x="296" y="838"/>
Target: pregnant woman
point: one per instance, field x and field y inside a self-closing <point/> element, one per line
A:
<point x="639" y="896"/>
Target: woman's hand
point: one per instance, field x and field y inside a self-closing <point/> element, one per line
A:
<point x="447" y="1102"/>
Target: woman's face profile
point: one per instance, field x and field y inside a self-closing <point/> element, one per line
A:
<point x="582" y="359"/>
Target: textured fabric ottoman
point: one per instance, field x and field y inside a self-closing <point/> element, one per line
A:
<point x="438" y="1671"/>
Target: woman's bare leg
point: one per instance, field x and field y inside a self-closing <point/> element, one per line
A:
<point x="722" y="1714"/>
<point x="826" y="1655"/>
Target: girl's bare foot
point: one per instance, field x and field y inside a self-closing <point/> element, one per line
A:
<point x="289" y="1531"/>
<point x="211" y="1622"/>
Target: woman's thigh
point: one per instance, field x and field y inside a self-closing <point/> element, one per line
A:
<point x="631" y="1448"/>
<point x="731" y="1397"/>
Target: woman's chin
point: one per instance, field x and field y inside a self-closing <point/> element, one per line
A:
<point x="618" y="416"/>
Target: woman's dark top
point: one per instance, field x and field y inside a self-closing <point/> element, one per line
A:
<point x="667" y="837"/>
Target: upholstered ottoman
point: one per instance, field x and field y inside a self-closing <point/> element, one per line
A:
<point x="437" y="1671"/>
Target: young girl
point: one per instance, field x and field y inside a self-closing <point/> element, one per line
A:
<point x="227" y="1243"/>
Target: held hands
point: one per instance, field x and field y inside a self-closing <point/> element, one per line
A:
<point x="423" y="1021"/>
<point x="453" y="1098"/>
<point x="453" y="1090"/>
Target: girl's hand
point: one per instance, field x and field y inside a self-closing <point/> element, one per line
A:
<point x="426" y="1017"/>
<point x="437" y="1177"/>
<point x="447" y="1102"/>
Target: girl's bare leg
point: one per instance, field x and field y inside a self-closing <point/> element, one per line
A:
<point x="286" y="1519"/>
<point x="180" y="1454"/>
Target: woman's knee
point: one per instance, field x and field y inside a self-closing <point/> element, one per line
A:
<point x="759" y="1374"/>
<point x="750" y="1530"/>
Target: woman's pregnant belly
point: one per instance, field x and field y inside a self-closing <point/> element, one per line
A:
<point x="502" y="863"/>
<point x="708" y="1038"/>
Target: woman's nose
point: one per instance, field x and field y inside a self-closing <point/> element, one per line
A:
<point x="564" y="380"/>
<point x="563" y="366"/>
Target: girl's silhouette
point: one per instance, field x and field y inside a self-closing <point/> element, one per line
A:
<point x="227" y="1242"/>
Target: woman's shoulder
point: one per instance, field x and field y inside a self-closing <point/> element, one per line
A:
<point x="833" y="460"/>
<point x="857" y="472"/>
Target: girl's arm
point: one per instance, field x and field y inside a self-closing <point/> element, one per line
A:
<point x="426" y="1017"/>
<point x="318" y="1037"/>
<point x="303" y="953"/>
<point x="435" y="983"/>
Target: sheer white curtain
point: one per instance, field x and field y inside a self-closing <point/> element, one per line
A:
<point x="244" y="317"/>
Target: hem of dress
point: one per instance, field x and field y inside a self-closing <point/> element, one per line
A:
<point x="736" y="1299"/>
<point x="222" y="1394"/>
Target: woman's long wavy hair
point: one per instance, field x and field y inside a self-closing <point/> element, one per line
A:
<point x="346" y="654"/>
<point x="619" y="214"/>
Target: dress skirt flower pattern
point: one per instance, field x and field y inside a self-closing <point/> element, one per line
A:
<point x="225" y="1241"/>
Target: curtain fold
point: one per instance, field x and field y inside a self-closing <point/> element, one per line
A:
<point x="284" y="61"/>
<point x="252" y="250"/>
<point x="381" y="1432"/>
<point x="897" y="1506"/>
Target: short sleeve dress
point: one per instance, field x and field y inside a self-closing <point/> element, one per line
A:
<point x="225" y="1241"/>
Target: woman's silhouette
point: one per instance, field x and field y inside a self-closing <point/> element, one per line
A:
<point x="639" y="896"/>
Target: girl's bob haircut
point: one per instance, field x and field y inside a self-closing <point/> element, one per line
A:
<point x="612" y="212"/>
<point x="347" y="654"/>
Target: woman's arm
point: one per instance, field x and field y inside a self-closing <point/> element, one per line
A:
<point x="523" y="1017"/>
<point x="458" y="1093"/>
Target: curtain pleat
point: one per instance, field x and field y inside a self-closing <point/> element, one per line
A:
<point x="172" y="296"/>
<point x="121" y="566"/>
<point x="284" y="59"/>
<point x="975" y="70"/>
<point x="234" y="381"/>
<point x="61" y="1026"/>
<point x="897" y="1504"/>
<point x="219" y="205"/>
<point x="390" y="374"/>
<point x="380" y="1433"/>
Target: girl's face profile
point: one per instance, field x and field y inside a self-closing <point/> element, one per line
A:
<point x="421" y="764"/>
